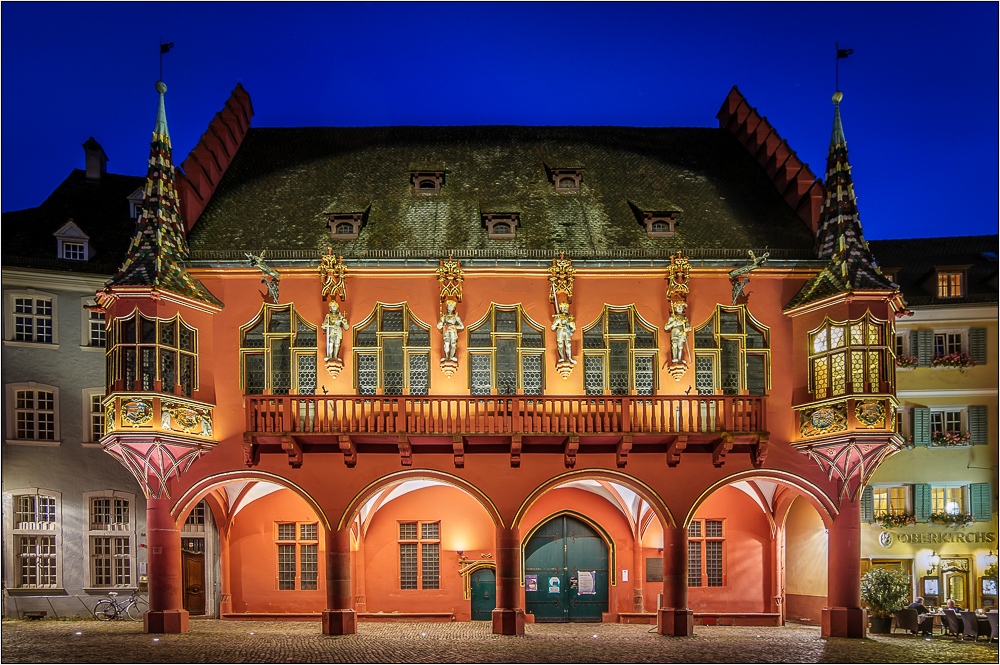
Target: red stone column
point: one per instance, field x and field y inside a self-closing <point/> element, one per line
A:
<point x="674" y="617"/>
<point x="340" y="617"/>
<point x="166" y="603"/>
<point x="508" y="618"/>
<point x="225" y="574"/>
<point x="843" y="615"/>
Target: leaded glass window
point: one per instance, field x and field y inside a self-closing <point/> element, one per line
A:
<point x="145" y="350"/>
<point x="706" y="545"/>
<point x="849" y="357"/>
<point x="392" y="350"/>
<point x="619" y="354"/>
<point x="278" y="352"/>
<point x="423" y="572"/>
<point x="505" y="353"/>
<point x="732" y="353"/>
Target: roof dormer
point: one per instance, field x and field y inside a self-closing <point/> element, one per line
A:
<point x="566" y="180"/>
<point x="135" y="203"/>
<point x="72" y="243"/>
<point x="426" y="182"/>
<point x="501" y="225"/>
<point x="659" y="220"/>
<point x="346" y="225"/>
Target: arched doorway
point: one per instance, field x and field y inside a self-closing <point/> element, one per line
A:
<point x="483" y="589"/>
<point x="566" y="571"/>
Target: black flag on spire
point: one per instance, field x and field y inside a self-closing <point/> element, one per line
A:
<point x="169" y="45"/>
<point x="841" y="52"/>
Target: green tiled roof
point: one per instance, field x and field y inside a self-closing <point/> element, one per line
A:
<point x="282" y="182"/>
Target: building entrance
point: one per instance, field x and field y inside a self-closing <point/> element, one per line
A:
<point x="193" y="571"/>
<point x="483" y="583"/>
<point x="566" y="572"/>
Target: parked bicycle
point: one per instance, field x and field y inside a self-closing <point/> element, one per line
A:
<point x="111" y="608"/>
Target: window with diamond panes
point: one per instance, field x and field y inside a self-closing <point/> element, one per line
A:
<point x="619" y="354"/>
<point x="145" y="350"/>
<point x="732" y="354"/>
<point x="506" y="349"/>
<point x="278" y="353"/>
<point x="298" y="556"/>
<point x="849" y="357"/>
<point x="706" y="538"/>
<point x="419" y="555"/>
<point x="392" y="352"/>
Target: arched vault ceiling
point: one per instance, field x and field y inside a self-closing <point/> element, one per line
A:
<point x="761" y="491"/>
<point x="243" y="493"/>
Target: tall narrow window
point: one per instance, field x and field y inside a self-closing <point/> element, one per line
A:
<point x="298" y="556"/>
<point x="278" y="353"/>
<point x="392" y="349"/>
<point x="97" y="329"/>
<point x="146" y="350"/>
<point x="419" y="555"/>
<point x="505" y="353"/>
<point x="619" y="354"/>
<point x="706" y="541"/>
<point x="849" y="357"/>
<point x="732" y="354"/>
<point x="35" y="532"/>
<point x="111" y="536"/>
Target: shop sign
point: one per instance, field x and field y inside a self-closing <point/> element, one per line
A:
<point x="948" y="537"/>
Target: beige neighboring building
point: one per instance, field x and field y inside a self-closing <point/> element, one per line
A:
<point x="940" y="493"/>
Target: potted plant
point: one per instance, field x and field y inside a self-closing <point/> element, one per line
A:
<point x="959" y="361"/>
<point x="952" y="519"/>
<point x="894" y="520"/>
<point x="884" y="591"/>
<point x="905" y="362"/>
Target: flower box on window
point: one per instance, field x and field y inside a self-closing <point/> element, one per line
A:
<point x="952" y="519"/>
<point x="905" y="363"/>
<point x="957" y="361"/>
<point x="894" y="520"/>
<point x="951" y="438"/>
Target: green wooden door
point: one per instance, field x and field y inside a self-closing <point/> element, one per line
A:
<point x="566" y="572"/>
<point x="483" y="583"/>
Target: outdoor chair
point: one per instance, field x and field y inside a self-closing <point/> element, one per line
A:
<point x="970" y="625"/>
<point x="954" y="622"/>
<point x="906" y="620"/>
<point x="992" y="618"/>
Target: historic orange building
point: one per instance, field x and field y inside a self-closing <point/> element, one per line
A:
<point x="506" y="373"/>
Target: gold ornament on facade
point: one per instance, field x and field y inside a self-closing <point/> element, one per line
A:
<point x="450" y="276"/>
<point x="561" y="275"/>
<point x="870" y="413"/>
<point x="333" y="271"/>
<point x="678" y="287"/>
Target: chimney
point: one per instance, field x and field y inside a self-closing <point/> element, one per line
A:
<point x="97" y="161"/>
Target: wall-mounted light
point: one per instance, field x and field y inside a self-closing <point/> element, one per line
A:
<point x="991" y="558"/>
<point x="934" y="561"/>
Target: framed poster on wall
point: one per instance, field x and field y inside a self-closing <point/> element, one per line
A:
<point x="931" y="589"/>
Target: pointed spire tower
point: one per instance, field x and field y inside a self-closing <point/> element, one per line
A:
<point x="839" y="237"/>
<point x="159" y="247"/>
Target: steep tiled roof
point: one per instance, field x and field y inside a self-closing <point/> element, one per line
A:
<point x="839" y="237"/>
<point x="158" y="247"/>
<point x="99" y="207"/>
<point x="282" y="183"/>
<point x="913" y="264"/>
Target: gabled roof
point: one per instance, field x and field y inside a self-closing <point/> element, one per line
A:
<point x="282" y="182"/>
<point x="914" y="263"/>
<point x="839" y="237"/>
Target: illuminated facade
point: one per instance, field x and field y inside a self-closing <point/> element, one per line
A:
<point x="517" y="374"/>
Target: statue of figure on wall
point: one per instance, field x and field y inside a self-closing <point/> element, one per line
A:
<point x="565" y="326"/>
<point x="271" y="277"/>
<point x="449" y="325"/>
<point x="678" y="327"/>
<point x="334" y="324"/>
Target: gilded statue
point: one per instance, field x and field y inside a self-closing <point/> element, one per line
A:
<point x="565" y="326"/>
<point x="334" y="324"/>
<point x="449" y="324"/>
<point x="678" y="327"/>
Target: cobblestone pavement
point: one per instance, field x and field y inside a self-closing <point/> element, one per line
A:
<point x="262" y="641"/>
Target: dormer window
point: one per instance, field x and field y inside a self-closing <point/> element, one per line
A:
<point x="950" y="283"/>
<point x="659" y="220"/>
<point x="72" y="243"/>
<point x="345" y="226"/>
<point x="501" y="225"/>
<point x="426" y="182"/>
<point x="135" y="204"/>
<point x="567" y="181"/>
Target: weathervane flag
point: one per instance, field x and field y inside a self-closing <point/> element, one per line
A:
<point x="169" y="45"/>
<point x="841" y="52"/>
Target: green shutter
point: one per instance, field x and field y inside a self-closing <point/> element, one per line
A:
<point x="977" y="425"/>
<point x="867" y="505"/>
<point x="977" y="345"/>
<point x="982" y="502"/>
<point x="925" y="346"/>
<point x="922" y="502"/>
<point x="921" y="429"/>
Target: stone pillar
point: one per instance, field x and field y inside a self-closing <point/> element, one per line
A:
<point x="166" y="602"/>
<point x="339" y="618"/>
<point x="843" y="615"/>
<point x="508" y="618"/>
<point x="674" y="617"/>
<point x="225" y="574"/>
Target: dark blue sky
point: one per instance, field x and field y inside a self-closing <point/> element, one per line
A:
<point x="920" y="102"/>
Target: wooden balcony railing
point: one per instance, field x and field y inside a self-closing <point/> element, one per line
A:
<point x="500" y="415"/>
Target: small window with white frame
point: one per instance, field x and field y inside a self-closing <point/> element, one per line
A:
<point x="93" y="326"/>
<point x="950" y="283"/>
<point x="947" y="342"/>
<point x="948" y="499"/>
<point x="892" y="500"/>
<point x="34" y="413"/>
<point x="35" y="534"/>
<point x="111" y="538"/>
<point x="93" y="415"/>
<point x="72" y="243"/>
<point x="949" y="426"/>
<point x="30" y="317"/>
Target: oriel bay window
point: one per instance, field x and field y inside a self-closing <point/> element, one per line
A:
<point x="619" y="354"/>
<point x="392" y="352"/>
<point x="706" y="541"/>
<point x="732" y="354"/>
<point x="278" y="353"/>
<point x="505" y="353"/>
<point x="849" y="357"/>
<point x="144" y="351"/>
<point x="419" y="555"/>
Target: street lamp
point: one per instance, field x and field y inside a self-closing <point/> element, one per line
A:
<point x="934" y="561"/>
